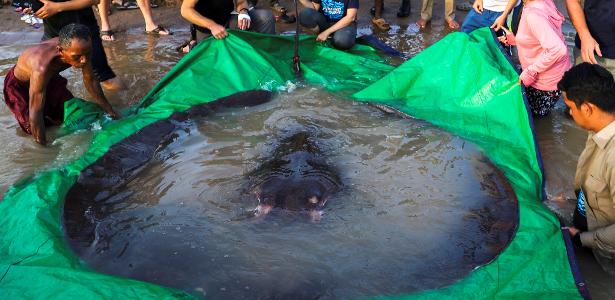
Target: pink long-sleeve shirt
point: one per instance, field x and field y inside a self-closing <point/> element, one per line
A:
<point x="540" y="43"/>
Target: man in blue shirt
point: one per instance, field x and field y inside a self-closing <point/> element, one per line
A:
<point x="333" y="17"/>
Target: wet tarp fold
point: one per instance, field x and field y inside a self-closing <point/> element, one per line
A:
<point x="463" y="84"/>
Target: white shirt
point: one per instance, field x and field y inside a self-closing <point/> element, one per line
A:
<point x="497" y="5"/>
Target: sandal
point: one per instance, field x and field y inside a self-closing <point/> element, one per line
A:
<point x="422" y="23"/>
<point x="381" y="24"/>
<point x="189" y="43"/>
<point x="107" y="33"/>
<point x="158" y="31"/>
<point x="452" y="24"/>
<point x="125" y="5"/>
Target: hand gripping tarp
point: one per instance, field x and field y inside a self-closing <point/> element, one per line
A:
<point x="463" y="84"/>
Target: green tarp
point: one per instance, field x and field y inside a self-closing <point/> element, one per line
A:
<point x="462" y="84"/>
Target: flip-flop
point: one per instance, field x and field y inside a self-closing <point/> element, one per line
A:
<point x="156" y="31"/>
<point x="381" y="24"/>
<point x="189" y="43"/>
<point x="126" y="5"/>
<point x="108" y="33"/>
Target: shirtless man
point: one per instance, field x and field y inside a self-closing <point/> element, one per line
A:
<point x="34" y="90"/>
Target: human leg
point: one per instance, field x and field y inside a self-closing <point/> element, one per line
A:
<point x="102" y="70"/>
<point x="378" y="20"/>
<point x="56" y="94"/>
<point x="311" y="18"/>
<point x="16" y="98"/>
<point x="404" y="9"/>
<point x="262" y="21"/>
<point x="105" y="28"/>
<point x="449" y="14"/>
<point x="541" y="102"/>
<point x="345" y="38"/>
<point x="426" y="11"/>
<point x="150" y="25"/>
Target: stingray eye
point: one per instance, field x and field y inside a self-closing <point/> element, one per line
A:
<point x="313" y="200"/>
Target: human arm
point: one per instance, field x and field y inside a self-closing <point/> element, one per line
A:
<point x="478" y="6"/>
<point x="501" y="20"/>
<point x="553" y="48"/>
<point x="189" y="13"/>
<point x="589" y="46"/>
<point x="243" y="18"/>
<point x="51" y="8"/>
<point x="351" y="16"/>
<point x="36" y="105"/>
<point x="93" y="87"/>
<point x="603" y="237"/>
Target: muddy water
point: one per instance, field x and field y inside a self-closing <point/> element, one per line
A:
<point x="142" y="61"/>
<point x="415" y="201"/>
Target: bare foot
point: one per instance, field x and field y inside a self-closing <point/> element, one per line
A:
<point x="452" y="24"/>
<point x="421" y="23"/>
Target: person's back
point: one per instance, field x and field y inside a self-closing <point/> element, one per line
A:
<point x="38" y="57"/>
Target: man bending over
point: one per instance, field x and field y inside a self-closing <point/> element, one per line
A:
<point x="34" y="90"/>
<point x="589" y="92"/>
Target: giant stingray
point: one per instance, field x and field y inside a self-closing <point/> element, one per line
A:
<point x="294" y="176"/>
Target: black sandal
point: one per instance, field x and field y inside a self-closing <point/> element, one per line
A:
<point x="108" y="33"/>
<point x="189" y="43"/>
<point x="156" y="31"/>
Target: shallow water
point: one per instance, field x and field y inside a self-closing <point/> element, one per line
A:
<point x="419" y="208"/>
<point x="142" y="61"/>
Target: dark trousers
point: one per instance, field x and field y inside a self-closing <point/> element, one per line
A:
<point x="342" y="39"/>
<point x="261" y="20"/>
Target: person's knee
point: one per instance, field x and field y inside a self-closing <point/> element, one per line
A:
<point x="307" y="17"/>
<point x="263" y="20"/>
<point x="344" y="39"/>
<point x="471" y="22"/>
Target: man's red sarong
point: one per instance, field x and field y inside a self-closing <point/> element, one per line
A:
<point x="17" y="98"/>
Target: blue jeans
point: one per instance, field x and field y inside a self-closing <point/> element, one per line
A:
<point x="475" y="20"/>
<point x="342" y="39"/>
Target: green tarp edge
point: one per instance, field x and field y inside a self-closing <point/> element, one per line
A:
<point x="35" y="261"/>
<point x="475" y="95"/>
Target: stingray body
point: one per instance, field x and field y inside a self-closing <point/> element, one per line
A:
<point x="297" y="178"/>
